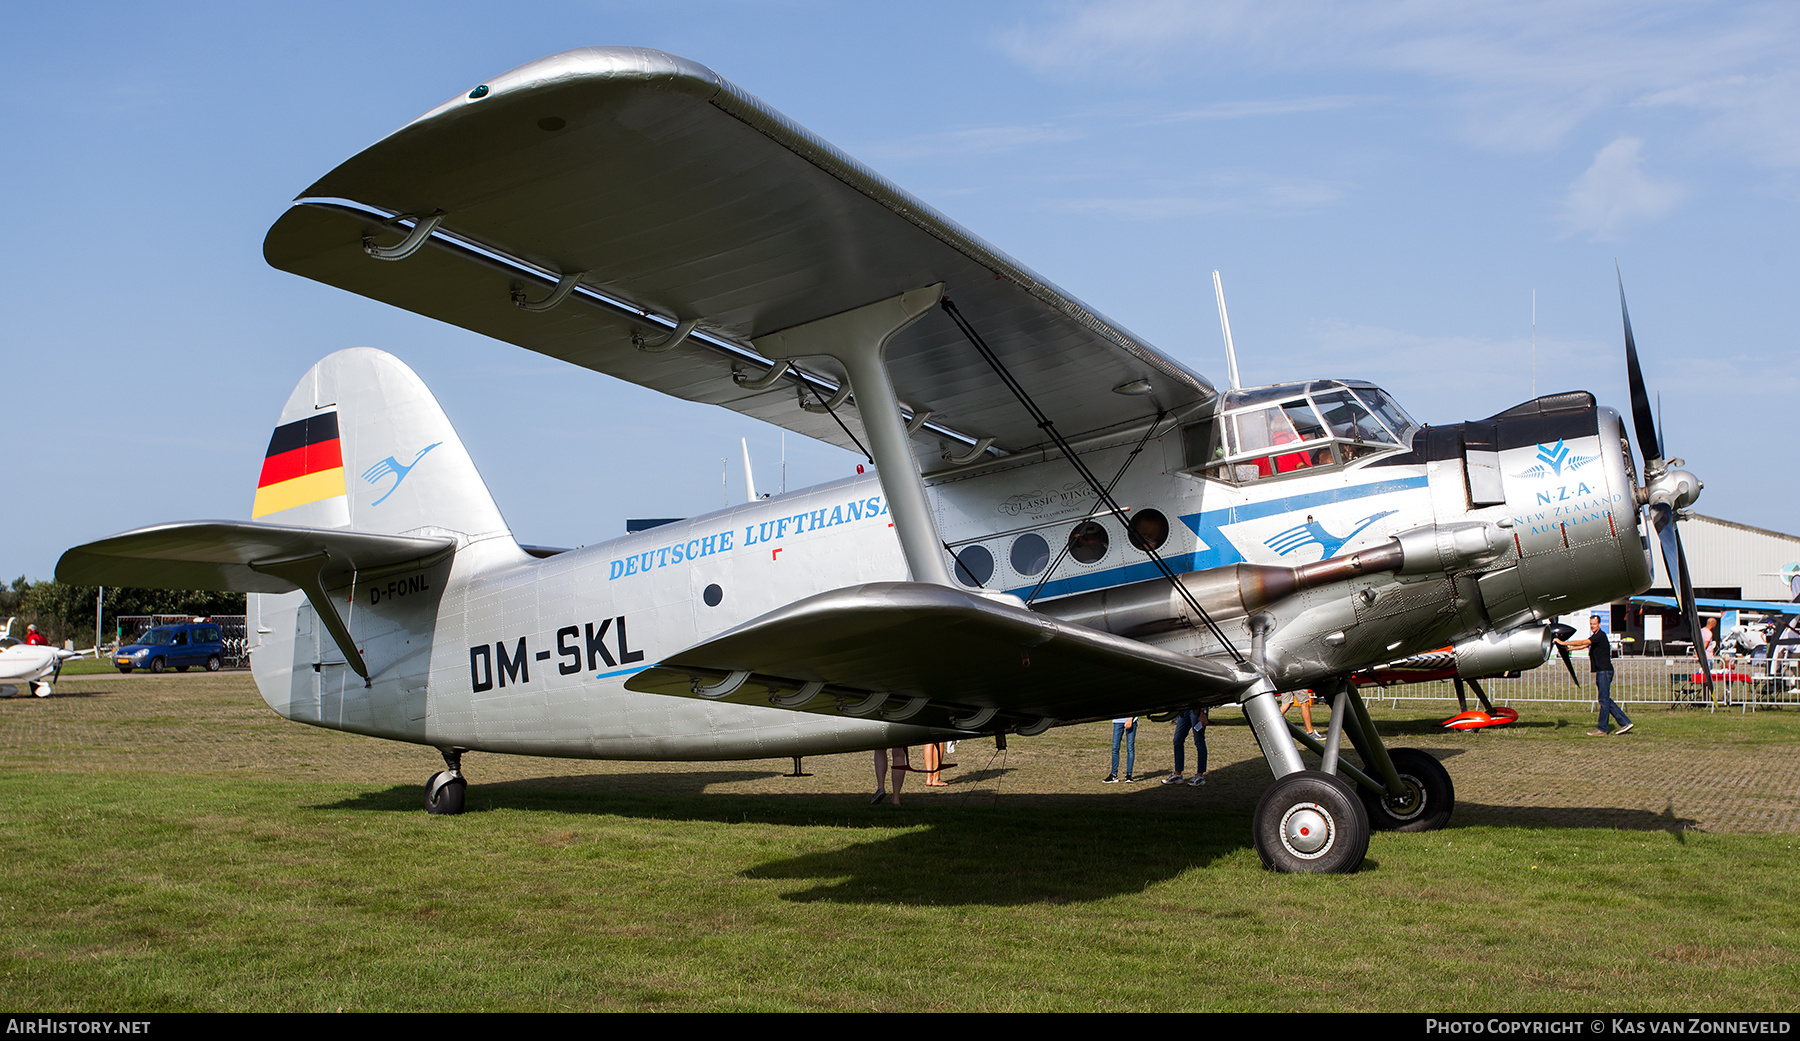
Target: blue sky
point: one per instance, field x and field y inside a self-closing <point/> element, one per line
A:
<point x="1382" y="186"/>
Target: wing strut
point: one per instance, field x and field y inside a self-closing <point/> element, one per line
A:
<point x="1044" y="423"/>
<point x="858" y="339"/>
<point x="307" y="573"/>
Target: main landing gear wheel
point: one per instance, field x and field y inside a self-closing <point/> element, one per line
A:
<point x="1429" y="798"/>
<point x="444" y="792"/>
<point x="1311" y="822"/>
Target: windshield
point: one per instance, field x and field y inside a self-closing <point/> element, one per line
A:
<point x="154" y="638"/>
<point x="1390" y="412"/>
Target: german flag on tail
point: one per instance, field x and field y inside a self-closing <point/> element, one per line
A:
<point x="304" y="465"/>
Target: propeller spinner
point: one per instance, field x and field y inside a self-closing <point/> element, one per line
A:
<point x="1668" y="489"/>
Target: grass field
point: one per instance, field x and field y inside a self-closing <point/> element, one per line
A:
<point x="171" y="845"/>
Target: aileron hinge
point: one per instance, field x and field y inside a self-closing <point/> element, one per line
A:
<point x="667" y="343"/>
<point x="422" y="228"/>
<point x="564" y="286"/>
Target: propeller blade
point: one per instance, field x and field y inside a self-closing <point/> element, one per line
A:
<point x="1692" y="611"/>
<point x="1675" y="565"/>
<point x="1559" y="631"/>
<point x="1569" y="663"/>
<point x="1643" y="420"/>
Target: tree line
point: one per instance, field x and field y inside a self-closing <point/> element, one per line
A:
<point x="65" y="612"/>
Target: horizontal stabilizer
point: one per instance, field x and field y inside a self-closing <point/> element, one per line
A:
<point x="935" y="657"/>
<point x="236" y="556"/>
<point x="242" y="557"/>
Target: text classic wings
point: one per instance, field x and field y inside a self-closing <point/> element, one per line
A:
<point x="671" y="192"/>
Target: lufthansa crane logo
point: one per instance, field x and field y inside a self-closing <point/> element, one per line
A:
<point x="393" y="466"/>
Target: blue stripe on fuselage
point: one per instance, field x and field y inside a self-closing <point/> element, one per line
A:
<point x="1216" y="549"/>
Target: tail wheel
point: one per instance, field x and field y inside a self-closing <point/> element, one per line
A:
<point x="1428" y="801"/>
<point x="444" y="793"/>
<point x="1311" y="823"/>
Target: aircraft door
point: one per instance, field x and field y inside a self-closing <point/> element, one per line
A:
<point x="303" y="702"/>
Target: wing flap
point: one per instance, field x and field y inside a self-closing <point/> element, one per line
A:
<point x="675" y="192"/>
<point x="934" y="656"/>
<point x="233" y="556"/>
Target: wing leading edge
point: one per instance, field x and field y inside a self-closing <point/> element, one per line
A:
<point x="992" y="666"/>
<point x="651" y="186"/>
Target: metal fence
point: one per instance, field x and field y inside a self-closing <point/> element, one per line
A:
<point x="1746" y="684"/>
<point x="233" y="632"/>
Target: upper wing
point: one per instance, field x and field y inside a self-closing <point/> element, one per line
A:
<point x="857" y="652"/>
<point x="674" y="194"/>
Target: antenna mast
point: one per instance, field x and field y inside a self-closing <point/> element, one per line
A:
<point x="1534" y="343"/>
<point x="1225" y="324"/>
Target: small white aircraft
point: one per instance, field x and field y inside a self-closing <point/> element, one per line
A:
<point x="1063" y="523"/>
<point x="34" y="666"/>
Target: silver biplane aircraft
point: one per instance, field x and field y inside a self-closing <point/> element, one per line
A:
<point x="1063" y="523"/>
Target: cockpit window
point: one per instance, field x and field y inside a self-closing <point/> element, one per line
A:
<point x="1292" y="428"/>
<point x="1393" y="415"/>
<point x="1260" y="428"/>
<point x="1350" y="420"/>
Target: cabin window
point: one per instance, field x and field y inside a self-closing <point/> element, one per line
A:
<point x="1088" y="542"/>
<point x="1030" y="554"/>
<point x="1148" y="530"/>
<point x="974" y="565"/>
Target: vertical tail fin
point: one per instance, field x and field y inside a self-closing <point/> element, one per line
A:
<point x="362" y="444"/>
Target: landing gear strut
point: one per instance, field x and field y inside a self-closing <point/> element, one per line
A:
<point x="444" y="790"/>
<point x="1308" y="821"/>
<point x="1313" y="821"/>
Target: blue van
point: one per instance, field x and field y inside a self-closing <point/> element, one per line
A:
<point x="174" y="647"/>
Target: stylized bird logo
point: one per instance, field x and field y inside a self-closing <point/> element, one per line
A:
<point x="1305" y="534"/>
<point x="390" y="465"/>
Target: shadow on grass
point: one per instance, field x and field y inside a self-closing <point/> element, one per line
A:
<point x="942" y="850"/>
<point x="990" y="848"/>
<point x="1035" y="855"/>
<point x="1611" y="818"/>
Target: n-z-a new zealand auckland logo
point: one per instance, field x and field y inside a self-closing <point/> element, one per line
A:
<point x="508" y="662"/>
<point x="1553" y="460"/>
